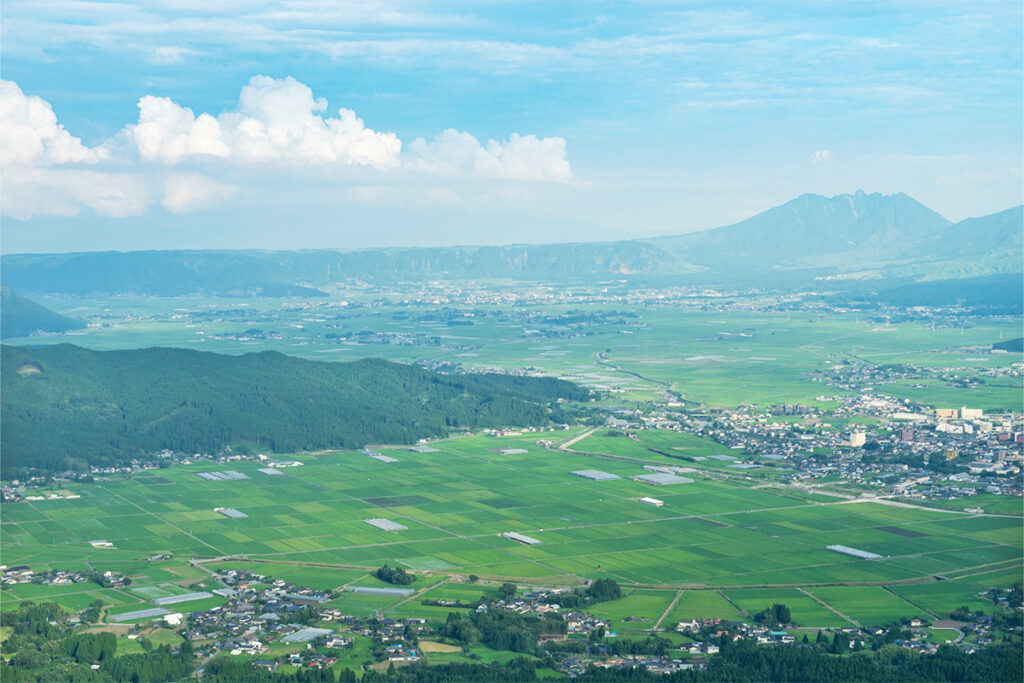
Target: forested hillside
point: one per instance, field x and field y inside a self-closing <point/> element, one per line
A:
<point x="65" y="406"/>
<point x="20" y="317"/>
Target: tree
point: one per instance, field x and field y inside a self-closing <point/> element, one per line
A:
<point x="840" y="643"/>
<point x="603" y="590"/>
<point x="473" y="578"/>
<point x="507" y="591"/>
<point x="397" y="575"/>
<point x="782" y="614"/>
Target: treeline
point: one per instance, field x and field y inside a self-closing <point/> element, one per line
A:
<point x="225" y="669"/>
<point x="651" y="645"/>
<point x="46" y="649"/>
<point x="66" y="408"/>
<point x="747" y="662"/>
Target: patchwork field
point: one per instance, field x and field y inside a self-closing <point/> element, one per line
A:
<point x="729" y="545"/>
<point x="712" y="357"/>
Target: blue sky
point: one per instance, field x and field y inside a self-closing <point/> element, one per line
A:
<point x="194" y="124"/>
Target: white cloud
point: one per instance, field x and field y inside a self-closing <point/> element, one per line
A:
<point x="521" y="157"/>
<point x="276" y="120"/>
<point x="275" y="135"/>
<point x="186" y="192"/>
<point x="821" y="156"/>
<point x="41" y="168"/>
<point x="172" y="54"/>
<point x="30" y="134"/>
<point x="64" y="192"/>
<point x="169" y="133"/>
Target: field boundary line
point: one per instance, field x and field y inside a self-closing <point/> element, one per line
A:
<point x="162" y="520"/>
<point x="668" y="609"/>
<point x="734" y="605"/>
<point x="420" y="592"/>
<point x="829" y="607"/>
<point x="910" y="602"/>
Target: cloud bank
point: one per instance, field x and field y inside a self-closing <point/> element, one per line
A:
<point x="278" y="129"/>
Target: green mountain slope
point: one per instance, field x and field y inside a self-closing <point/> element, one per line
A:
<point x="63" y="402"/>
<point x="812" y="231"/>
<point x="20" y="317"/>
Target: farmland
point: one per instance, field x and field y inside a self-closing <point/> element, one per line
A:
<point x="730" y="545"/>
<point x="705" y="388"/>
<point x="720" y="357"/>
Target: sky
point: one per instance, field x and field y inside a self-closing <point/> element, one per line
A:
<point x="190" y="124"/>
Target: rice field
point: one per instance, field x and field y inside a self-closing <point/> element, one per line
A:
<point x="729" y="546"/>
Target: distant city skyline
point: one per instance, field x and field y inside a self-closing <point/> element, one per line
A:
<point x="311" y="124"/>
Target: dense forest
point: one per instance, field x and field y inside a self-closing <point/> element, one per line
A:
<point x="745" y="662"/>
<point x="65" y="407"/>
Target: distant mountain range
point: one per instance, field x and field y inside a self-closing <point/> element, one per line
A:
<point x="20" y="317"/>
<point x="858" y="235"/>
<point x="852" y="237"/>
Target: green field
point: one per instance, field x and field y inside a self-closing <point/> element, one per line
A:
<point x="711" y="533"/>
<point x="712" y="357"/>
<point x="732" y="543"/>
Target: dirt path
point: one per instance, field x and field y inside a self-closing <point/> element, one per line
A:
<point x="668" y="610"/>
<point x="576" y="439"/>
<point x="418" y="593"/>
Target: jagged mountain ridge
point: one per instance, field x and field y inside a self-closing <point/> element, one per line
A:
<point x="810" y="230"/>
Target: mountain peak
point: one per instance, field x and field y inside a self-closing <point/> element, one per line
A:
<point x="815" y="230"/>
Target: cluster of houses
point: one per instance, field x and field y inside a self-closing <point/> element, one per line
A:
<point x="655" y="665"/>
<point x="261" y="612"/>
<point x="979" y="453"/>
<point x="60" y="577"/>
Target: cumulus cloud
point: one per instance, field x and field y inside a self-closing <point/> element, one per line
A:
<point x="276" y="120"/>
<point x="821" y="156"/>
<point x="521" y="157"/>
<point x="44" y="168"/>
<point x="278" y="129"/>
<point x="169" y="133"/>
<point x="30" y="134"/>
